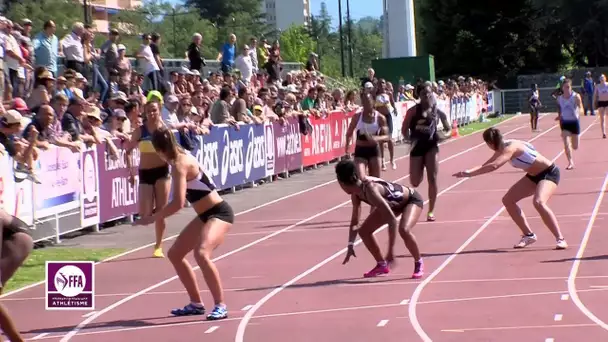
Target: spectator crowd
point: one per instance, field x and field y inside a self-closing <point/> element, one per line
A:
<point x="67" y="92"/>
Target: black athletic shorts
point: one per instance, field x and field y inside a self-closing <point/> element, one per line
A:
<point x="221" y="211"/>
<point x="422" y="147"/>
<point x="573" y="127"/>
<point x="551" y="174"/>
<point x="602" y="104"/>
<point x="415" y="199"/>
<point x="151" y="176"/>
<point x="367" y="152"/>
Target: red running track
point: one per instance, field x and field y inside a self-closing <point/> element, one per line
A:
<point x="284" y="279"/>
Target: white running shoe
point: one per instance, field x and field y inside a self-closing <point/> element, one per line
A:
<point x="526" y="241"/>
<point x="561" y="244"/>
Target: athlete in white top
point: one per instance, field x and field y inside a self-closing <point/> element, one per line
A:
<point x="600" y="100"/>
<point x="371" y="129"/>
<point x="541" y="180"/>
<point x="203" y="234"/>
<point x="569" y="109"/>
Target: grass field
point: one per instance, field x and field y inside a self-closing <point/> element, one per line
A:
<point x="33" y="270"/>
<point x="477" y="126"/>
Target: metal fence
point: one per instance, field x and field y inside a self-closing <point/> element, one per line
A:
<point x="516" y="100"/>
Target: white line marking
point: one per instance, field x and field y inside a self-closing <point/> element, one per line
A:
<point x="247" y="277"/>
<point x="405" y="302"/>
<point x="565" y="297"/>
<point x="322" y="311"/>
<point x="212" y="329"/>
<point x="40" y="336"/>
<point x="577" y="260"/>
<point x="558" y="317"/>
<point x="382" y="323"/>
<point x="91" y="318"/>
<point x="245" y="308"/>
<point x="453" y="330"/>
<point x="89" y="313"/>
<point x="27" y="287"/>
<point x="549" y="340"/>
<point x="418" y="291"/>
<point x="518" y="327"/>
<point x="595" y="286"/>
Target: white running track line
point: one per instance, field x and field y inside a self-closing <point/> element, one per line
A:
<point x="418" y="291"/>
<point x="577" y="261"/>
<point x="240" y="333"/>
<point x="382" y="323"/>
<point x="90" y="319"/>
<point x="212" y="329"/>
<point x="280" y="199"/>
<point x="558" y="317"/>
<point x="565" y="297"/>
<point x="175" y="325"/>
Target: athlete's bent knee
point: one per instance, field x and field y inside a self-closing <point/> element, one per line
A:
<point x="539" y="204"/>
<point x="202" y="256"/>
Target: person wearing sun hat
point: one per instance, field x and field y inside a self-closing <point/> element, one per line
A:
<point x="44" y="83"/>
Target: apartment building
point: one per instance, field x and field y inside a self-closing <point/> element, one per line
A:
<point x="282" y="14"/>
<point x="102" y="11"/>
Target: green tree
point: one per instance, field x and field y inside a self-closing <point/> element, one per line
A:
<point x="63" y="12"/>
<point x="296" y="44"/>
<point x="221" y="11"/>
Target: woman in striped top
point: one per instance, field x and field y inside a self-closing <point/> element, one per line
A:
<point x="541" y="180"/>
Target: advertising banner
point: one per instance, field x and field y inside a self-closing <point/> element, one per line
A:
<point x="89" y="195"/>
<point x="59" y="174"/>
<point x="117" y="193"/>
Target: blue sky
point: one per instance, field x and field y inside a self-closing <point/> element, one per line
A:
<point x="358" y="8"/>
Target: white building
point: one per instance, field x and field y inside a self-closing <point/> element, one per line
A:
<point x="282" y="14"/>
<point x="399" y="29"/>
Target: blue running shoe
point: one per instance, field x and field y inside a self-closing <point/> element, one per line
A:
<point x="219" y="312"/>
<point x="189" y="310"/>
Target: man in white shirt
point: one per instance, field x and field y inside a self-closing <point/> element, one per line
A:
<point x="148" y="64"/>
<point x="15" y="62"/>
<point x="244" y="65"/>
<point x="253" y="54"/>
<point x="72" y="48"/>
<point x="169" y="111"/>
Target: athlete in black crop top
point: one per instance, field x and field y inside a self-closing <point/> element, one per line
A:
<point x="420" y="126"/>
<point x="207" y="230"/>
<point x="388" y="201"/>
<point x="16" y="245"/>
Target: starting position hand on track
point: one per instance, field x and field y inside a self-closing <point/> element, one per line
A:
<point x="350" y="252"/>
<point x="462" y="174"/>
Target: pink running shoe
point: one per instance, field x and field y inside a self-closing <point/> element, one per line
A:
<point x="380" y="269"/>
<point x="418" y="270"/>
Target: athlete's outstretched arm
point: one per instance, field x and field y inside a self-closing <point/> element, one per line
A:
<point x="499" y="159"/>
<point x="376" y="200"/>
<point x="8" y="326"/>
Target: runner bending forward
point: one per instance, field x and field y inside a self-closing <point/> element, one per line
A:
<point x="569" y="109"/>
<point x="541" y="180"/>
<point x="420" y="126"/>
<point x="388" y="201"/>
<point x="203" y="234"/>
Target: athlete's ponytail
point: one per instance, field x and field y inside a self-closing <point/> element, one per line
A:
<point x="493" y="137"/>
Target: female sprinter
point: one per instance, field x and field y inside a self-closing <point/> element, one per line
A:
<point x="535" y="105"/>
<point x="600" y="99"/>
<point x="371" y="130"/>
<point x="569" y="109"/>
<point x="154" y="180"/>
<point x="203" y="234"/>
<point x="420" y="125"/>
<point x="541" y="180"/>
<point x="385" y="104"/>
<point x="388" y="201"/>
<point x="16" y="246"/>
